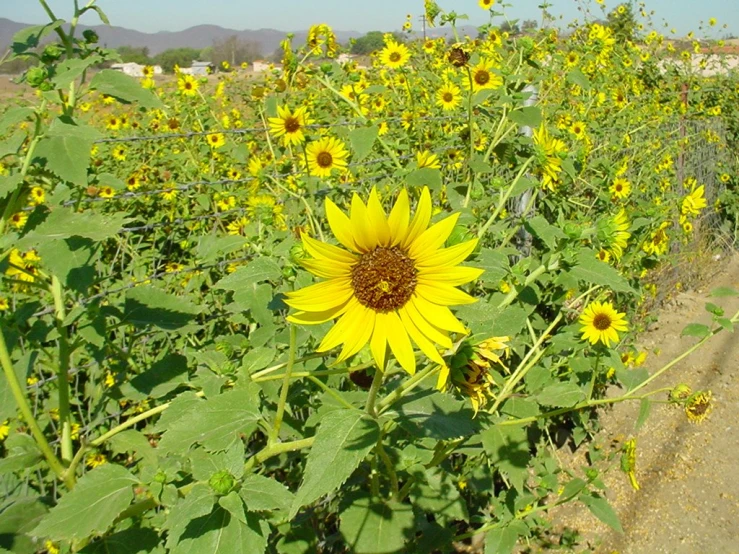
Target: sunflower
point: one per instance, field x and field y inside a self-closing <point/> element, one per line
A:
<point x="698" y="406"/>
<point x="391" y="284"/>
<point x="449" y="96"/>
<point x="482" y="77"/>
<point x="394" y="55"/>
<point x="486" y="4"/>
<point x="601" y="322"/>
<point x="621" y="188"/>
<point x="326" y="155"/>
<point x="694" y="202"/>
<point x="187" y="85"/>
<point x="428" y="160"/>
<point x="289" y="125"/>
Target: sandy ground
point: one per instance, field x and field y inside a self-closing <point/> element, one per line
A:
<point x="689" y="474"/>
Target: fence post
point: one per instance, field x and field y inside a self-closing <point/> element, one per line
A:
<point x="523" y="237"/>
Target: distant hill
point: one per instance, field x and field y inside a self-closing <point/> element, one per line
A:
<point x="199" y="36"/>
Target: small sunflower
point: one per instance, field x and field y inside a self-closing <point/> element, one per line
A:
<point x="482" y="76"/>
<point x="621" y="188"/>
<point x="187" y="85"/>
<point x="325" y="155"/>
<point x="119" y="153"/>
<point x="449" y="96"/>
<point x="698" y="406"/>
<point x="394" y="55"/>
<point x="289" y="125"/>
<point x="486" y="4"/>
<point x="428" y="160"/>
<point x="391" y="284"/>
<point x="601" y="322"/>
<point x="216" y="140"/>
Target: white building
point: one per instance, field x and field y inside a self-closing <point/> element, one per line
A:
<point x="198" y="69"/>
<point x="134" y="69"/>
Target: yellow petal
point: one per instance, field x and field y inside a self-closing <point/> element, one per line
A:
<point x="443" y="377"/>
<point x="420" y="219"/>
<point x="454" y="276"/>
<point x="316" y="318"/>
<point x="451" y="256"/>
<point x="426" y="346"/>
<point x="338" y="333"/>
<point x="399" y="342"/>
<point x="378" y="342"/>
<point x="432" y="238"/>
<point x="364" y="236"/>
<point x="440" y="316"/>
<point x="362" y="332"/>
<point x="319" y="297"/>
<point x="378" y="219"/>
<point x="341" y="225"/>
<point x="443" y="294"/>
<point x="327" y="268"/>
<point x="399" y="218"/>
<point x="429" y="330"/>
<point x="319" y="249"/>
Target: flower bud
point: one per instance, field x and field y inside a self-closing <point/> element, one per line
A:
<point x="222" y="482"/>
<point x="680" y="393"/>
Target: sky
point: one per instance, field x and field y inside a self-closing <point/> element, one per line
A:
<point x="355" y="15"/>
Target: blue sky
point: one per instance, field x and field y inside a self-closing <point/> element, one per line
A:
<point x="355" y="15"/>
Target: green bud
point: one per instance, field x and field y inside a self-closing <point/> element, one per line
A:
<point x="297" y="253"/>
<point x="222" y="482"/>
<point x="591" y="473"/>
<point x="90" y="36"/>
<point x="680" y="393"/>
<point x="160" y="477"/>
<point x="459" y="235"/>
<point x="497" y="182"/>
<point x="51" y="53"/>
<point x="572" y="230"/>
<point x="327" y="68"/>
<point x="36" y="75"/>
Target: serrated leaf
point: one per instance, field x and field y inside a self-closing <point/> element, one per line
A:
<point x="66" y="149"/>
<point x="13" y="116"/>
<point x="129" y="541"/>
<point x="577" y="77"/>
<point x="261" y="269"/>
<point x="71" y="260"/>
<point x="13" y="144"/>
<point x="63" y="223"/>
<point x="8" y="183"/>
<point x="545" y="231"/>
<point x="425" y="177"/>
<point x="495" y="264"/>
<point x="214" y="423"/>
<point x="362" y="141"/>
<point x="502" y="540"/>
<point x="343" y="439"/>
<point x="233" y="504"/>
<point x="160" y="379"/>
<point x="21" y="453"/>
<point x="124" y="88"/>
<point x="30" y="37"/>
<point x="133" y="441"/>
<point x="221" y="533"/>
<point x="529" y="116"/>
<point x="92" y="506"/>
<point x="696" y="330"/>
<point x="507" y="448"/>
<point x="199" y="502"/>
<point x="261" y="493"/>
<point x="573" y="488"/>
<point x="146" y="305"/>
<point x="560" y="395"/>
<point x="375" y="527"/>
<point x="601" y="509"/>
<point x="69" y="70"/>
<point x="592" y="270"/>
<point x="631" y="378"/>
<point x="18" y="516"/>
<point x="520" y="408"/>
<point x="435" y="415"/>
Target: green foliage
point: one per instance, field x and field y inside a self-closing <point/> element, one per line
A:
<point x="172" y="57"/>
<point x="133" y="54"/>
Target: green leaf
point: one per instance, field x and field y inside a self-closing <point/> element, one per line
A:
<point x="221" y="533"/>
<point x="69" y="70"/>
<point x="132" y="441"/>
<point x="573" y="488"/>
<point x="435" y="415"/>
<point x="100" y="12"/>
<point x="72" y="260"/>
<point x="13" y="144"/>
<point x="159" y="380"/>
<point x="258" y="358"/>
<point x="560" y="395"/>
<point x="261" y="269"/>
<point x="261" y="494"/>
<point x="529" y="116"/>
<point x="645" y="406"/>
<point x="63" y="223"/>
<point x="343" y="439"/>
<point x="13" y="116"/>
<point x="631" y="378"/>
<point x="18" y="517"/>
<point x="30" y="37"/>
<point x="601" y="509"/>
<point x="435" y="492"/>
<point x="146" y="305"/>
<point x="362" y="141"/>
<point x="424" y="177"/>
<point x="545" y="231"/>
<point x="721" y="292"/>
<point x="199" y="502"/>
<point x="66" y="149"/>
<point x="21" y="453"/>
<point x="92" y="506"/>
<point x="592" y="270"/>
<point x="495" y="264"/>
<point x="502" y="540"/>
<point x="577" y="77"/>
<point x="124" y="88"/>
<point x="520" y="408"/>
<point x="374" y="527"/>
<point x="129" y="541"/>
<point x="714" y="309"/>
<point x="233" y="504"/>
<point x="507" y="447"/>
<point x="214" y="423"/>
<point x="696" y="330"/>
<point x="8" y="183"/>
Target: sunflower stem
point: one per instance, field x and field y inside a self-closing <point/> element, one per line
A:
<point x="374" y="388"/>
<point x="406" y="387"/>
<point x="275" y="432"/>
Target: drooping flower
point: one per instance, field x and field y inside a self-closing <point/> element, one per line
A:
<point x="601" y="323"/>
<point x="390" y="285"/>
<point x="698" y="406"/>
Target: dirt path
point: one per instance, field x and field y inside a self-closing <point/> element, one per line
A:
<point x="689" y="474"/>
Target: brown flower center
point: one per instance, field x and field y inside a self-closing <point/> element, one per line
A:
<point x="448" y="97"/>
<point x="394" y="57"/>
<point x="602" y="322"/>
<point x="384" y="279"/>
<point x="325" y="159"/>
<point x="292" y="125"/>
<point x="482" y="77"/>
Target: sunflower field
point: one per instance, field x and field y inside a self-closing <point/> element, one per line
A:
<point x="335" y="308"/>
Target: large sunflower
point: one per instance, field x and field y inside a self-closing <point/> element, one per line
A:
<point x="289" y="125"/>
<point x="394" y="55"/>
<point x="601" y="322"/>
<point x="391" y="284"/>
<point x="324" y="155"/>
